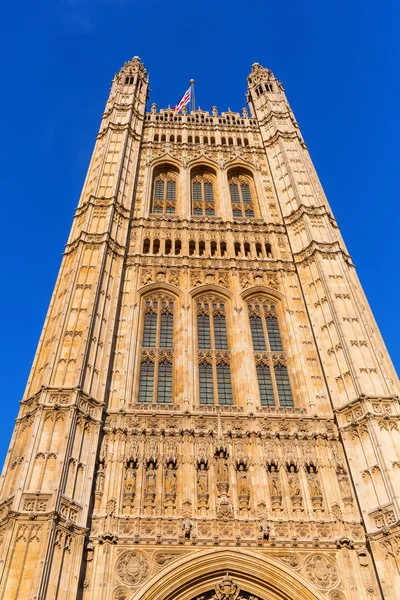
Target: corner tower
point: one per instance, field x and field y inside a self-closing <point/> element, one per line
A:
<point x="211" y="411"/>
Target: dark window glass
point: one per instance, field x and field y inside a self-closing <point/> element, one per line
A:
<point x="171" y="190"/>
<point x="146" y="383"/>
<point x="234" y="193"/>
<point x="246" y="193"/>
<point x="150" y="330"/>
<point x="166" y="330"/>
<point x="197" y="191"/>
<point x="203" y="329"/>
<point x="265" y="385"/>
<point x="257" y="333"/>
<point x="206" y="383"/>
<point x="164" y="391"/>
<point x="220" y="339"/>
<point x="283" y="385"/>
<point x="224" y="384"/>
<point x="159" y="194"/>
<point x="208" y="192"/>
<point x="274" y="336"/>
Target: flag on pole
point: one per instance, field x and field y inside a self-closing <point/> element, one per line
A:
<point x="184" y="100"/>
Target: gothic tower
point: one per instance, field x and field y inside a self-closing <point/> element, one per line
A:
<point x="211" y="411"/>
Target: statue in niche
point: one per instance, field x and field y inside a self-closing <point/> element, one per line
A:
<point x="170" y="479"/>
<point x="130" y="478"/>
<point x="276" y="489"/>
<point x="243" y="484"/>
<point x="313" y="481"/>
<point x="151" y="478"/>
<point x="265" y="529"/>
<point x="344" y="484"/>
<point x="100" y="479"/>
<point x="202" y="479"/>
<point x="222" y="468"/>
<point x="294" y="487"/>
<point x="187" y="528"/>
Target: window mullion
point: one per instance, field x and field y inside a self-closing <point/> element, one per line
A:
<point x="215" y="379"/>
<point x="155" y="385"/>
<point x="265" y="330"/>
<point x="275" y="387"/>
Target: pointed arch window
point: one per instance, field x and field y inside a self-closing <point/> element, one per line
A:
<point x="215" y="386"/>
<point x="203" y="200"/>
<point x="270" y="358"/>
<point x="157" y="353"/>
<point x="164" y="191"/>
<point x="242" y="193"/>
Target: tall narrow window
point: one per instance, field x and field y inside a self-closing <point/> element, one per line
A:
<point x="272" y="374"/>
<point x="241" y="196"/>
<point x="213" y="352"/>
<point x="155" y="381"/>
<point x="164" y="191"/>
<point x="203" y="201"/>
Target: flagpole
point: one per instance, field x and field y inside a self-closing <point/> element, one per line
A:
<point x="193" y="102"/>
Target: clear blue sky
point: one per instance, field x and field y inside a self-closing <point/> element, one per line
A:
<point x="337" y="63"/>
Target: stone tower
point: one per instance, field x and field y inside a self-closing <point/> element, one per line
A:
<point x="211" y="412"/>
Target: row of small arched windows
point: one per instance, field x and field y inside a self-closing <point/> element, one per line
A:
<point x="209" y="248"/>
<point x="230" y="141"/>
<point x="213" y="343"/>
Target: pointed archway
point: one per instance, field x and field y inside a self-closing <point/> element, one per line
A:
<point x="205" y="574"/>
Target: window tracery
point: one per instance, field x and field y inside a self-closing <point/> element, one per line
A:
<point x="203" y="201"/>
<point x="164" y="192"/>
<point x="157" y="353"/>
<point x="270" y="358"/>
<point x="215" y="386"/>
<point x="242" y="194"/>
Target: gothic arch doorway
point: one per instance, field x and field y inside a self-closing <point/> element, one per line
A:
<point x="227" y="574"/>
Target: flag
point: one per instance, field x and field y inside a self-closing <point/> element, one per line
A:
<point x="184" y="100"/>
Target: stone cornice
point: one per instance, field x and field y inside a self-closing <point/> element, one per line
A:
<point x="217" y="224"/>
<point x="96" y="239"/>
<point x="321" y="248"/>
<point x="119" y="127"/>
<point x="96" y="201"/>
<point x="190" y="262"/>
<point x="302" y="210"/>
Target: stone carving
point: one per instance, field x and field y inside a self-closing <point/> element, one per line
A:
<point x="121" y="593"/>
<point x="275" y="486"/>
<point x="344" y="486"/>
<point x="243" y="487"/>
<point x="129" y="485"/>
<point x="224" y="507"/>
<point x="202" y="479"/>
<point x="320" y="571"/>
<point x="150" y="486"/>
<point x="337" y="595"/>
<point x="226" y="589"/>
<point x="294" y="487"/>
<point x="170" y="486"/>
<point x="163" y="558"/>
<point x="187" y="527"/>
<point x="222" y="469"/>
<point x="132" y="568"/>
<point x="315" y="487"/>
<point x="292" y="560"/>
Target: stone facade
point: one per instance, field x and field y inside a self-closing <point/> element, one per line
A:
<point x="211" y="411"/>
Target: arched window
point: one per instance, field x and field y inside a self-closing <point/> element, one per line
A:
<point x="164" y="191"/>
<point x="241" y="190"/>
<point x="272" y="374"/>
<point x="155" y="381"/>
<point x="213" y="354"/>
<point x="203" y="201"/>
